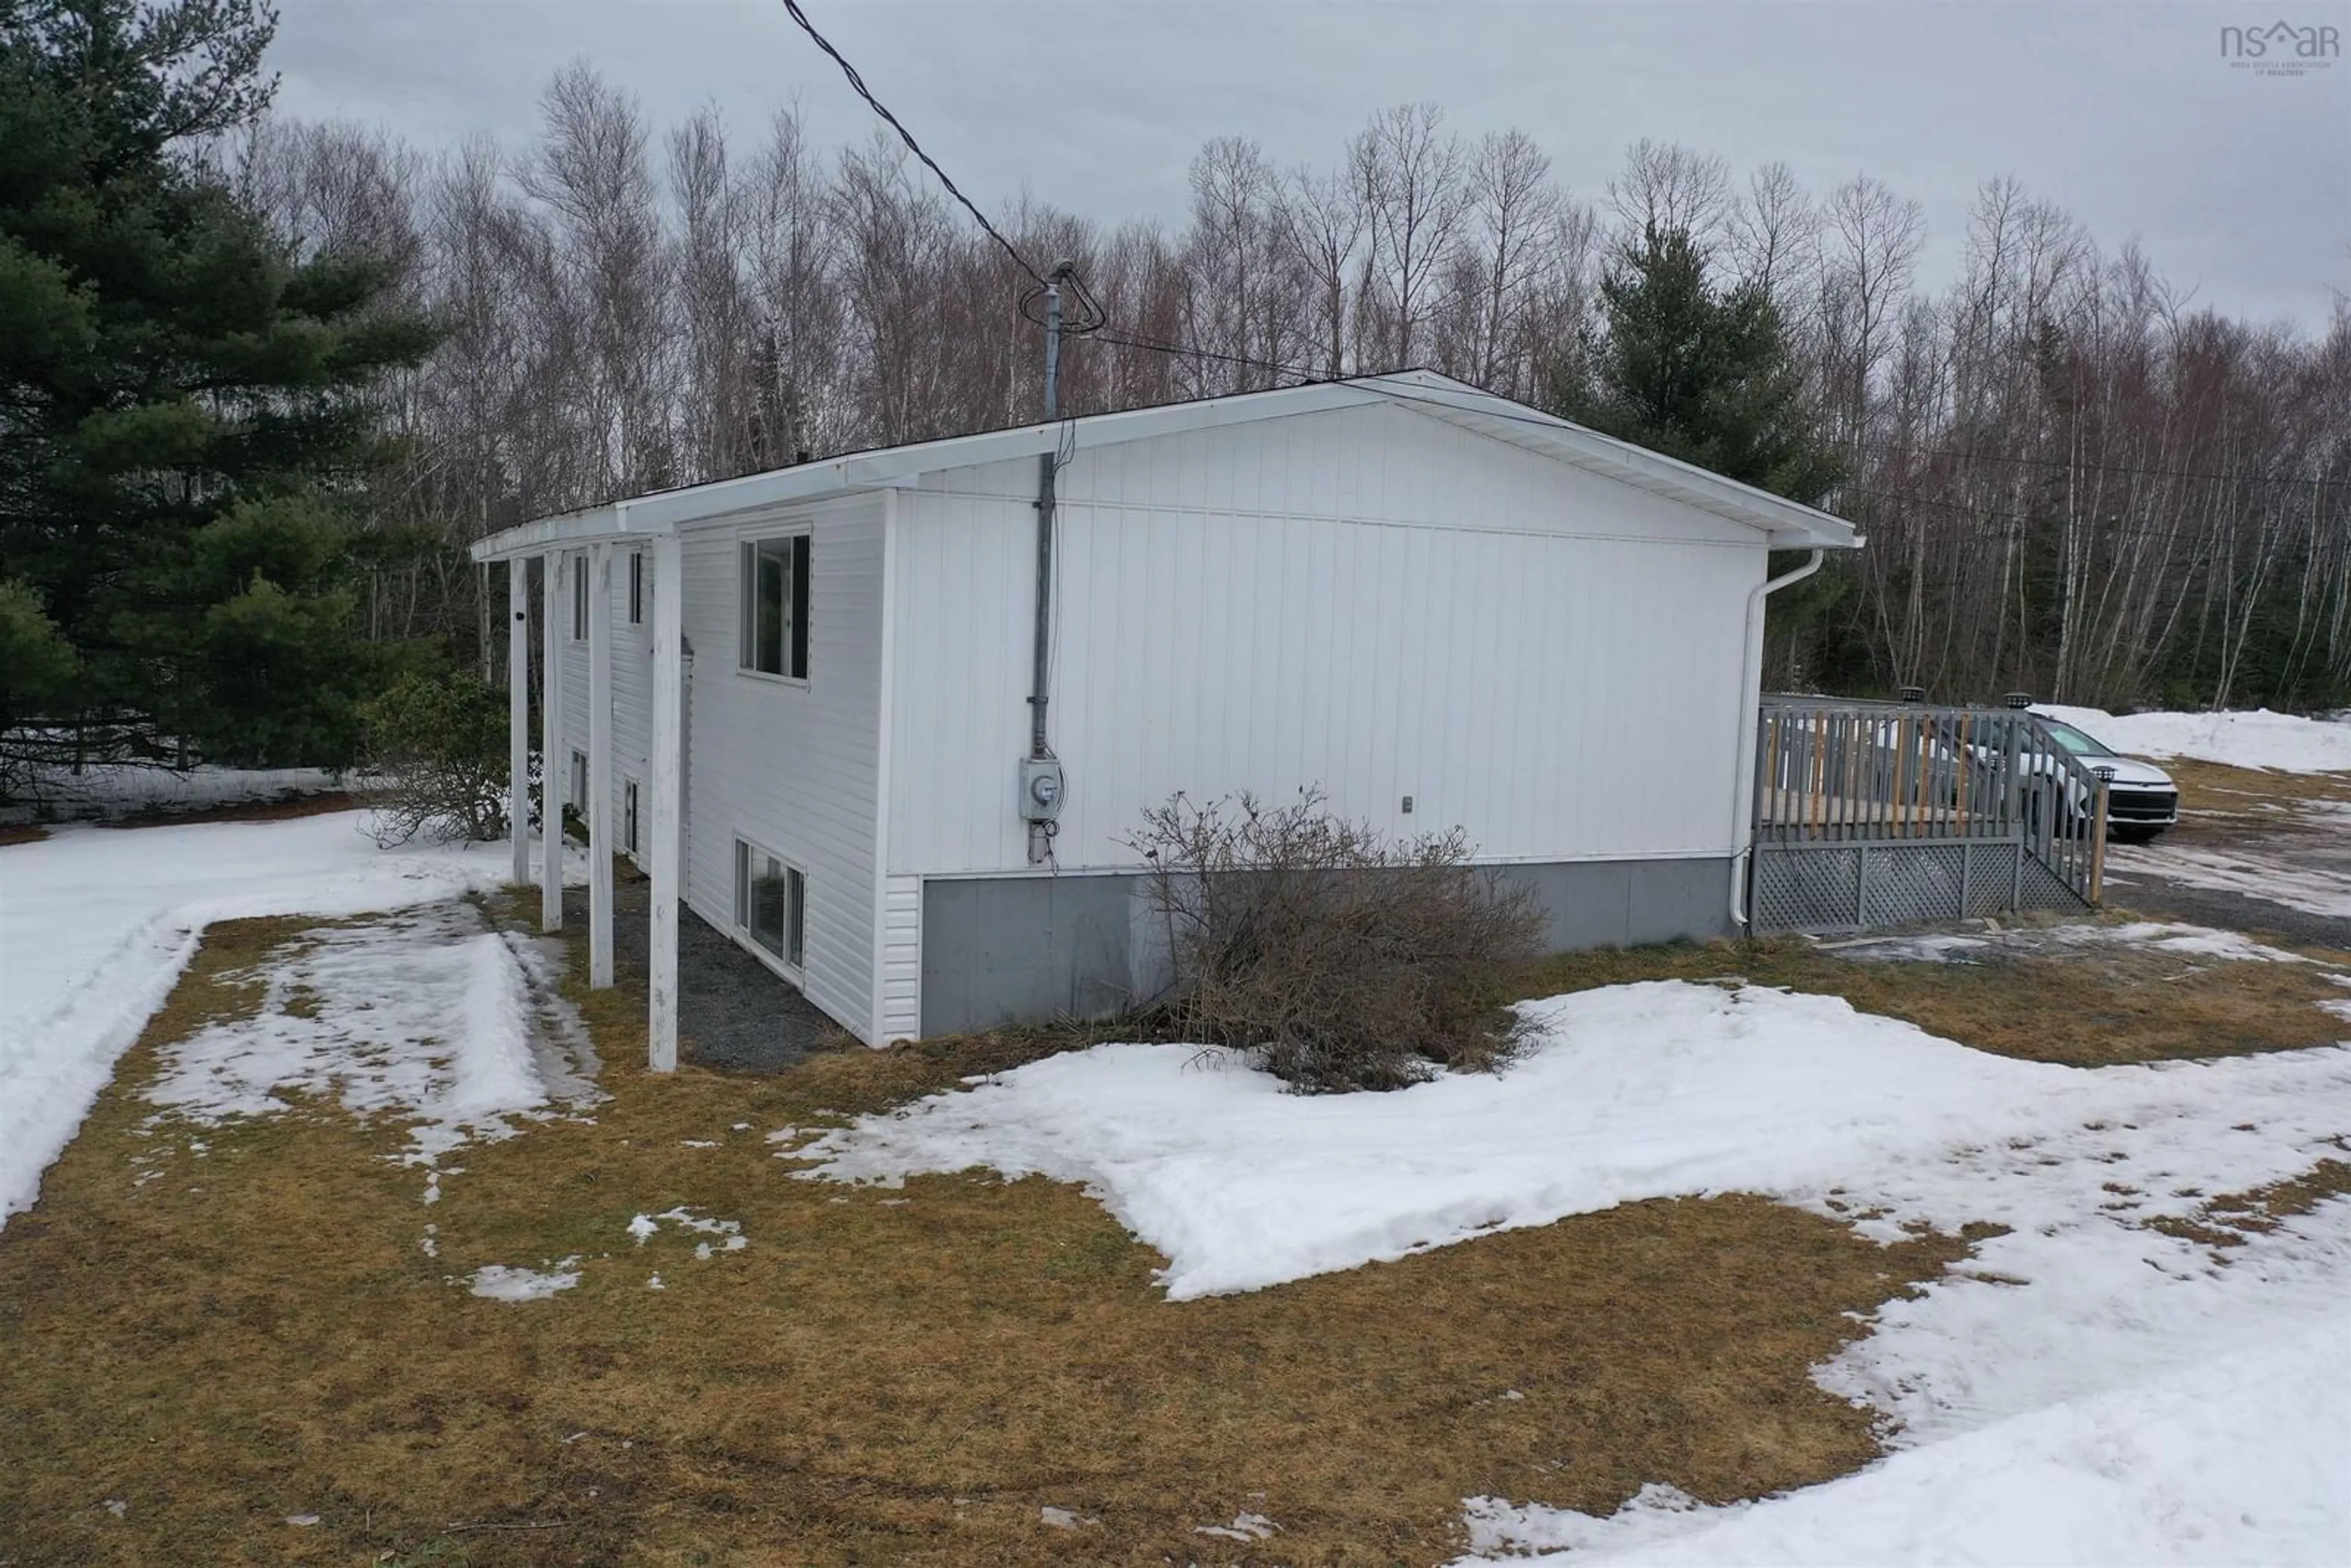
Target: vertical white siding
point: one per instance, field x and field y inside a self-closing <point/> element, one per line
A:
<point x="1368" y="600"/>
<point x="632" y="667"/>
<point x="794" y="769"/>
<point x="902" y="958"/>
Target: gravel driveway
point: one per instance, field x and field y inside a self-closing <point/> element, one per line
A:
<point x="2285" y="871"/>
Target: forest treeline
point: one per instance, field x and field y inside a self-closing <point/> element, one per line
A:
<point x="262" y="381"/>
<point x="2073" y="481"/>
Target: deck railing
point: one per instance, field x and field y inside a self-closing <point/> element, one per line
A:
<point x="1860" y="774"/>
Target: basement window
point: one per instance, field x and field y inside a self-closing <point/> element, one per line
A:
<point x="776" y="607"/>
<point x="771" y="901"/>
<point x="579" y="601"/>
<point x="578" y="798"/>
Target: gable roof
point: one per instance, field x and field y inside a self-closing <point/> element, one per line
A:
<point x="1786" y="524"/>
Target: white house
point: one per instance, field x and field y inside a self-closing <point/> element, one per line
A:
<point x="802" y="698"/>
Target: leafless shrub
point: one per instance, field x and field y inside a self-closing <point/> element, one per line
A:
<point x="1341" y="959"/>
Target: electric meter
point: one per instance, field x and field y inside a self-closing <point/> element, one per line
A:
<point x="1040" y="789"/>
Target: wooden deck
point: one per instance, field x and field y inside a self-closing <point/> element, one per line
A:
<point x="1859" y="773"/>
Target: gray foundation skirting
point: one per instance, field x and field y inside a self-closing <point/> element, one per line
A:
<point x="1032" y="948"/>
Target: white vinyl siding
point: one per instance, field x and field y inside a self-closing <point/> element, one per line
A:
<point x="633" y="684"/>
<point x="902" y="958"/>
<point x="792" y="766"/>
<point x="1370" y="601"/>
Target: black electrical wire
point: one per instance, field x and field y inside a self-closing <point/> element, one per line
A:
<point x="1157" y="346"/>
<point x="857" y="84"/>
<point x="1095" y="320"/>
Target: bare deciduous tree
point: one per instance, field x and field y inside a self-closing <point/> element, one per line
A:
<point x="2073" y="483"/>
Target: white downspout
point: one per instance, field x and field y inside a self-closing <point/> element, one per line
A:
<point x="1750" y="697"/>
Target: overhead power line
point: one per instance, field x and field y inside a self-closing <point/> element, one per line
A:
<point x="857" y="84"/>
<point x="1097" y="316"/>
<point x="1096" y="320"/>
<point x="2087" y="467"/>
<point x="1158" y="346"/>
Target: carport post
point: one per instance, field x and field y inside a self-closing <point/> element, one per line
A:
<point x="668" y="781"/>
<point x="600" y="767"/>
<point x="518" y="714"/>
<point x="554" y="762"/>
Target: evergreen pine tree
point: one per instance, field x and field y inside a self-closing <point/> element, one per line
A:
<point x="1700" y="372"/>
<point x="1704" y="373"/>
<point x="179" y="397"/>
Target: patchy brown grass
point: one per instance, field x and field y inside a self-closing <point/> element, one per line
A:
<point x="21" y="833"/>
<point x="2217" y="798"/>
<point x="2233" y="1218"/>
<point x="2092" y="1008"/>
<point x="282" y="809"/>
<point x="879" y="1378"/>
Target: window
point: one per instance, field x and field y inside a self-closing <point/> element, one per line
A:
<point x="776" y="606"/>
<point x="629" y="815"/>
<point x="636" y="587"/>
<point x="771" y="901"/>
<point x="578" y="798"/>
<point x="579" y="601"/>
<point x="2074" y="741"/>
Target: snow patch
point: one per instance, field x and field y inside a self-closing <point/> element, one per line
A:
<point x="644" y="1226"/>
<point x="2111" y="1376"/>
<point x="1645" y="1091"/>
<point x="98" y="924"/>
<point x="2237" y="1459"/>
<point x="2261" y="738"/>
<point x="427" y="1016"/>
<point x="1966" y="948"/>
<point x="1244" y="1527"/>
<point x="129" y="788"/>
<point x="2291" y="876"/>
<point x="501" y="1283"/>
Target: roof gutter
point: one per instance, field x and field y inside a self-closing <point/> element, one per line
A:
<point x="1751" y="688"/>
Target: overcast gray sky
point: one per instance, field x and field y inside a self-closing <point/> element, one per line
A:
<point x="2124" y="111"/>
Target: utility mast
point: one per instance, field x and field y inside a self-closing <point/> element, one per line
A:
<point x="1040" y="771"/>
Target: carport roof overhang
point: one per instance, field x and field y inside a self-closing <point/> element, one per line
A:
<point x="1786" y="525"/>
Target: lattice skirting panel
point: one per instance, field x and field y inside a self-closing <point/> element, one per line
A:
<point x="1871" y="885"/>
